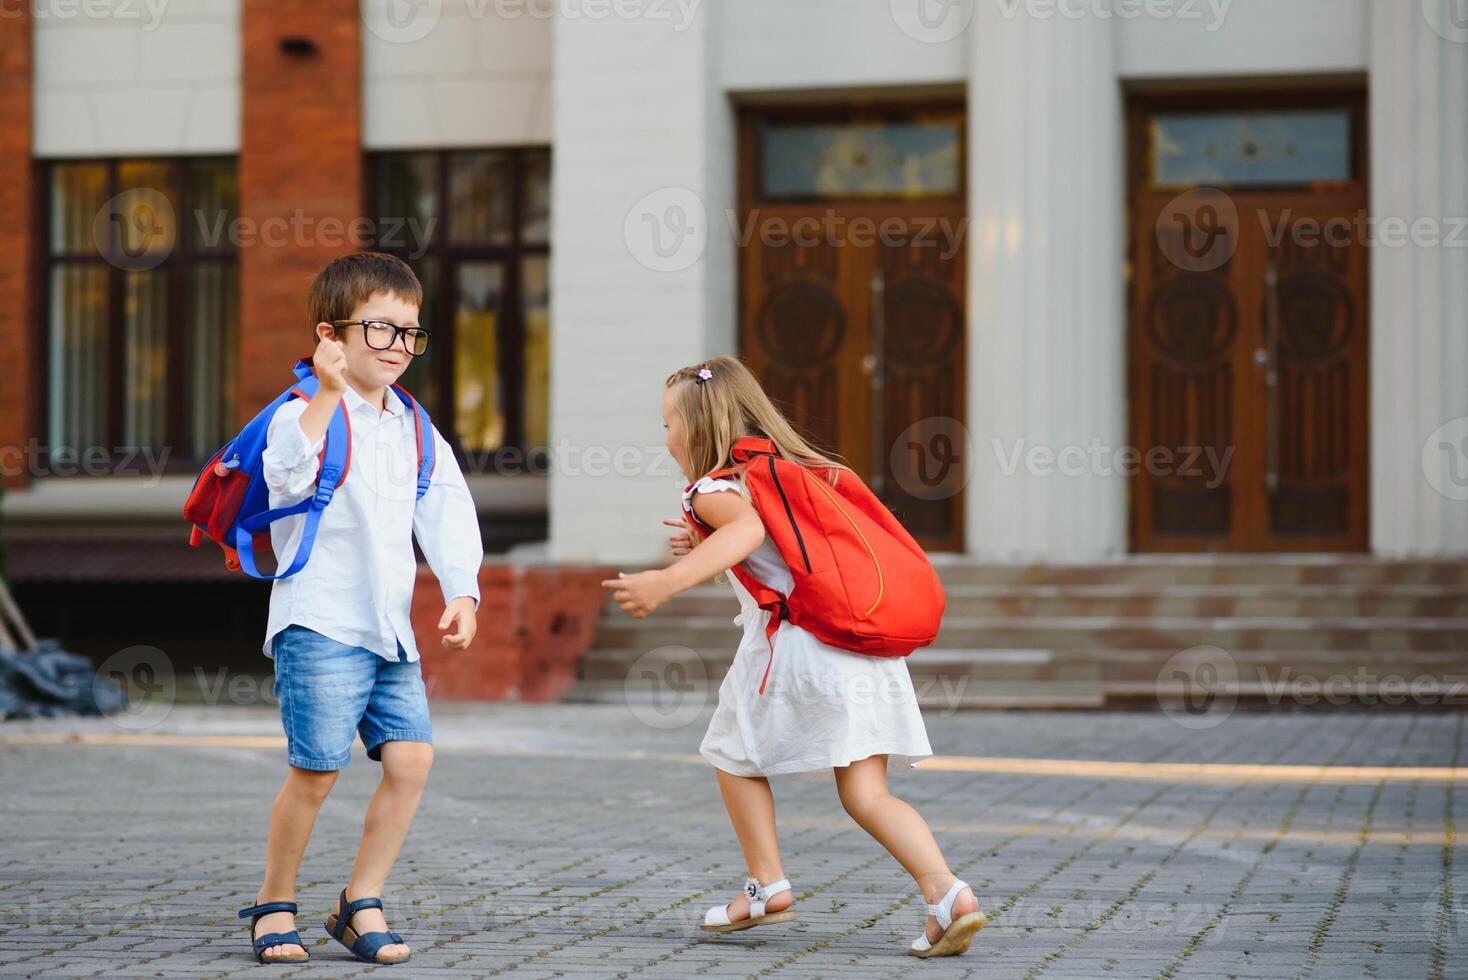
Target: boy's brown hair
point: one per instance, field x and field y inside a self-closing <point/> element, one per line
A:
<point x="349" y="280"/>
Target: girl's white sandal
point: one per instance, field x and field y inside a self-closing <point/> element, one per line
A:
<point x="957" y="933"/>
<point x="716" y="919"/>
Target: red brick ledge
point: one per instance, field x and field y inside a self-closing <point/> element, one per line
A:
<point x="534" y="624"/>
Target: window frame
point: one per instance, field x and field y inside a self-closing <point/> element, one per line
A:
<point x="180" y="262"/>
<point x="513" y="455"/>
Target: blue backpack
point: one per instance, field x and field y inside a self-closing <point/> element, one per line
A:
<point x="230" y="502"/>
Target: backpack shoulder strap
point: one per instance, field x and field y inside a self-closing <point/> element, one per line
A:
<point x="423" y="433"/>
<point x="743" y="454"/>
<point x="339" y="430"/>
<point x="336" y="459"/>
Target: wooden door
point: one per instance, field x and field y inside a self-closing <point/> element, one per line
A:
<point x="852" y="317"/>
<point x="1248" y="360"/>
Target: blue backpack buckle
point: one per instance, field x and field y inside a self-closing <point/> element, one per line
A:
<point x="326" y="485"/>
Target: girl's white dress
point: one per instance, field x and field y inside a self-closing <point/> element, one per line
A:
<point x="823" y="707"/>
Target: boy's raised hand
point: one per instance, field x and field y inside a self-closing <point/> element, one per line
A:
<point x="330" y="363"/>
<point x="680" y="542"/>
<point x="460" y="616"/>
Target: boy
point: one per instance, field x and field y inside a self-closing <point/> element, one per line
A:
<point x="345" y="660"/>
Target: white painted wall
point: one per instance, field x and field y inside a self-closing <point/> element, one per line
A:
<point x="1419" y="287"/>
<point x="1200" y="38"/>
<point x="474" y="73"/>
<point x="1047" y="327"/>
<point x="150" y="77"/>
<point x="779" y="44"/>
<point x="776" y="44"/>
<point x="642" y="147"/>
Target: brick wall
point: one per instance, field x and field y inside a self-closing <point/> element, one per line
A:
<point x="18" y="312"/>
<point x="534" y="624"/>
<point x="300" y="175"/>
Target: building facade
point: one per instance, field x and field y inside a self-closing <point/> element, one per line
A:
<point x="1065" y="279"/>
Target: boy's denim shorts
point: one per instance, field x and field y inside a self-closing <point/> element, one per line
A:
<point x="330" y="692"/>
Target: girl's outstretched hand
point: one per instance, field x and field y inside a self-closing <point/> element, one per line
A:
<point x="641" y="593"/>
<point x="680" y="542"/>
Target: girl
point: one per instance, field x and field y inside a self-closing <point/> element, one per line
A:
<point x="823" y="709"/>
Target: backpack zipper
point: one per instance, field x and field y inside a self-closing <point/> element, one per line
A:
<point x="790" y="514"/>
<point x="880" y="582"/>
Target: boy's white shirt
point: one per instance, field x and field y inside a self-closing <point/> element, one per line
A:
<point x="357" y="587"/>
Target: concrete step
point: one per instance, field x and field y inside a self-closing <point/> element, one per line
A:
<point x="1171" y="601"/>
<point x="1103" y="633"/>
<point x="1114" y="665"/>
<point x="965" y="679"/>
<point x="1029" y="678"/>
<point x="1162" y="570"/>
<point x="1090" y="632"/>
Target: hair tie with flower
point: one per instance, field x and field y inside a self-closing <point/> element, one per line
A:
<point x="703" y="375"/>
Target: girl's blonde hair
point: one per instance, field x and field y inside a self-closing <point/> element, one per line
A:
<point x="730" y="404"/>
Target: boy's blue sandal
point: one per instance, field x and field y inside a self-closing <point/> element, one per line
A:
<point x="365" y="946"/>
<point x="261" y="943"/>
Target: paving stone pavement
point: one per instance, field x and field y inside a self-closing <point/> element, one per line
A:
<point x="575" y="841"/>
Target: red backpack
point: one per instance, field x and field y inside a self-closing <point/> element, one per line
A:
<point x="861" y="582"/>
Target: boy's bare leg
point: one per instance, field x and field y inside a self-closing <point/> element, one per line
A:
<point x="902" y="831"/>
<point x="291" y="820"/>
<point x="751" y="808"/>
<point x="405" y="767"/>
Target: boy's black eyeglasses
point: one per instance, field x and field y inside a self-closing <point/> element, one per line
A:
<point x="382" y="335"/>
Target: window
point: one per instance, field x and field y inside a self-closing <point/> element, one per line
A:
<point x="474" y="225"/>
<point x="908" y="158"/>
<point x="1270" y="148"/>
<point x="142" y="305"/>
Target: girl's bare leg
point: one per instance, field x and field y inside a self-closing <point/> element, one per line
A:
<point x="902" y="831"/>
<point x="751" y="808"/>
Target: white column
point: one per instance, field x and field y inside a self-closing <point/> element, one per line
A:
<point x="642" y="267"/>
<point x="1419" y="289"/>
<point x="1047" y="334"/>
